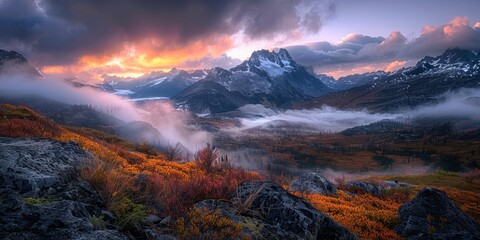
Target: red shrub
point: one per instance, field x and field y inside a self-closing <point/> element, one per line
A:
<point x="175" y="196"/>
<point x="206" y="158"/>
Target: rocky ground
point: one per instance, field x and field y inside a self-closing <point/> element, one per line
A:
<point x="43" y="197"/>
<point x="431" y="215"/>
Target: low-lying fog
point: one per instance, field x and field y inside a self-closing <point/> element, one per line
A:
<point x="464" y="104"/>
<point x="174" y="125"/>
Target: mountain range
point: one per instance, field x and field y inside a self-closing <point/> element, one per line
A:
<point x="408" y="87"/>
<point x="350" y="81"/>
<point x="157" y="84"/>
<point x="269" y="78"/>
<point x="274" y="79"/>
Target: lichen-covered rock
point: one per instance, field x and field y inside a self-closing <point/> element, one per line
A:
<point x="313" y="183"/>
<point x="41" y="194"/>
<point x="431" y="215"/>
<point x="368" y="187"/>
<point x="267" y="211"/>
<point x="38" y="164"/>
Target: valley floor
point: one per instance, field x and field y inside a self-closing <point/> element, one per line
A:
<point x="135" y="181"/>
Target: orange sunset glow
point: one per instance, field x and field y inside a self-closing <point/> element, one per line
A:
<point x="142" y="57"/>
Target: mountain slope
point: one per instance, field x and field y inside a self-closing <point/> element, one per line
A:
<point x="265" y="78"/>
<point x="409" y="87"/>
<point x="350" y="81"/>
<point x="12" y="62"/>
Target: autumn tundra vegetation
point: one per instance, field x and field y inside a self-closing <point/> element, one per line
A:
<point x="135" y="180"/>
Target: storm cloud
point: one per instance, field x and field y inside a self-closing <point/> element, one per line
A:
<point x="55" y="32"/>
<point x="355" y="49"/>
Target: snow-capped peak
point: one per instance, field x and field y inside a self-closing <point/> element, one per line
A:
<point x="273" y="64"/>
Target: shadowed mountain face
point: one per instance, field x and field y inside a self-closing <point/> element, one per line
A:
<point x="351" y="81"/>
<point x="12" y="62"/>
<point x="268" y="78"/>
<point x="409" y="87"/>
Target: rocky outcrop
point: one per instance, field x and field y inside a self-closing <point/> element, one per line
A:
<point x="431" y="215"/>
<point x="395" y="184"/>
<point x="33" y="166"/>
<point x="41" y="194"/>
<point x="267" y="211"/>
<point x="313" y="183"/>
<point x="365" y="186"/>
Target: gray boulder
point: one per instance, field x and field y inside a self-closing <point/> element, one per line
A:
<point x="395" y="184"/>
<point x="41" y="194"/>
<point x="38" y="164"/>
<point x="366" y="186"/>
<point x="267" y="211"/>
<point x="431" y="215"/>
<point x="313" y="183"/>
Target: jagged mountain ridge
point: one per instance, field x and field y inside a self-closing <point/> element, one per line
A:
<point x="269" y="78"/>
<point x="350" y="81"/>
<point x="409" y="87"/>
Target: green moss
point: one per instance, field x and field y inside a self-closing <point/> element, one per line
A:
<point x="129" y="214"/>
<point x="442" y="172"/>
<point x="98" y="222"/>
<point x="439" y="179"/>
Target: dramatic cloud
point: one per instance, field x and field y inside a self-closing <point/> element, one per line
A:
<point x="356" y="50"/>
<point x="62" y="32"/>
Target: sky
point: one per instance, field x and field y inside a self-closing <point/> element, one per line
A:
<point x="92" y="39"/>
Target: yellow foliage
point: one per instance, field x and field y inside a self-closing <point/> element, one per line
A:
<point x="368" y="216"/>
<point x="468" y="201"/>
<point x="204" y="224"/>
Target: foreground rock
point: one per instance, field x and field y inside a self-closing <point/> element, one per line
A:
<point x="431" y="215"/>
<point x="267" y="211"/>
<point x="41" y="195"/>
<point x="366" y="186"/>
<point x="313" y="183"/>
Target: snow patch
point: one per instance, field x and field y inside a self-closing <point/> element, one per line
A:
<point x="123" y="92"/>
<point x="272" y="69"/>
<point x="147" y="99"/>
<point x="158" y="81"/>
